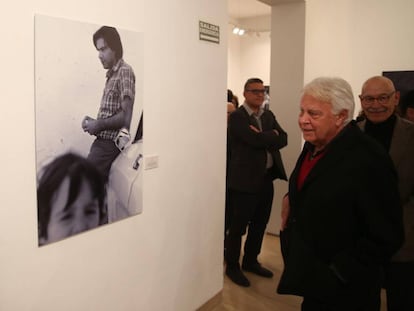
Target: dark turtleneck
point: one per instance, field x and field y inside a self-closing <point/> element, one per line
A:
<point x="381" y="132"/>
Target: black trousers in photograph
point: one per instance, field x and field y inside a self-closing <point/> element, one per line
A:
<point x="102" y="153"/>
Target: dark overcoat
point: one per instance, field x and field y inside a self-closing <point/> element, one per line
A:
<point x="402" y="154"/>
<point x="344" y="223"/>
<point x="247" y="163"/>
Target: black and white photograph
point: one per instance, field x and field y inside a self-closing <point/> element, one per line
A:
<point x="89" y="126"/>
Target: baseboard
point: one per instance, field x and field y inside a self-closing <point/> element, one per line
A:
<point x="213" y="302"/>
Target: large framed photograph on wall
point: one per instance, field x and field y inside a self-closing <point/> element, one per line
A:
<point x="89" y="121"/>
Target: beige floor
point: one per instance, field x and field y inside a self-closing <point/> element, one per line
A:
<point x="261" y="295"/>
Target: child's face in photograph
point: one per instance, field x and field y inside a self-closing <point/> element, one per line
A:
<point x="83" y="214"/>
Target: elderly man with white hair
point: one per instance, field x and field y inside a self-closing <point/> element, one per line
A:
<point x="341" y="219"/>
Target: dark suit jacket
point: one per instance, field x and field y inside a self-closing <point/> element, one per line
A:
<point x="402" y="154"/>
<point x="247" y="163"/>
<point x="343" y="224"/>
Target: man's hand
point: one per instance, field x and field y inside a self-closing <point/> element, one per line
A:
<point x="285" y="212"/>
<point x="254" y="129"/>
<point x="90" y="125"/>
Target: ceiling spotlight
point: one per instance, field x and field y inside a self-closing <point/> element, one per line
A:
<point x="238" y="31"/>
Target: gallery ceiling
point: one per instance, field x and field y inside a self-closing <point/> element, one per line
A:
<point x="247" y="8"/>
<point x="251" y="8"/>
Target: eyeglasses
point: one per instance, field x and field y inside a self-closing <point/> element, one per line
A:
<point x="382" y="99"/>
<point x="257" y="91"/>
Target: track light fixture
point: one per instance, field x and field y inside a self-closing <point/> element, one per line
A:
<point x="238" y="31"/>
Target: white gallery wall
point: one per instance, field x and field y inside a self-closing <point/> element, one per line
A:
<point x="154" y="260"/>
<point x="287" y="61"/>
<point x="358" y="39"/>
<point x="249" y="55"/>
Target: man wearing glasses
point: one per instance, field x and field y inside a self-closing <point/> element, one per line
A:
<point x="379" y="100"/>
<point x="255" y="162"/>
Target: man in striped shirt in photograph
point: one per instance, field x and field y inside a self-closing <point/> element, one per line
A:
<point x="115" y="111"/>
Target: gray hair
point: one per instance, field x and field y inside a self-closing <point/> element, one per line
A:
<point x="335" y="91"/>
